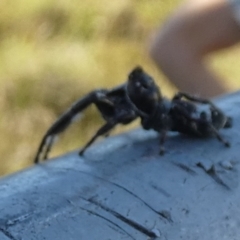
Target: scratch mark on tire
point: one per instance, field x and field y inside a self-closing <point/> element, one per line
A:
<point x="185" y="168"/>
<point x="5" y="224"/>
<point x="108" y="220"/>
<point x="166" y="215"/>
<point x="19" y="219"/>
<point x="7" y="233"/>
<point x="213" y="174"/>
<point x="124" y="219"/>
<point x="159" y="189"/>
<point x="123" y="188"/>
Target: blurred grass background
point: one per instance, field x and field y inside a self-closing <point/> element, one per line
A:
<point x="54" y="51"/>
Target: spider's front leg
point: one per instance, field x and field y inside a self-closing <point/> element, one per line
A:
<point x="66" y="119"/>
<point x="104" y="130"/>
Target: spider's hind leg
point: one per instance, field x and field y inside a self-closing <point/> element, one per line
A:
<point x="219" y="137"/>
<point x="213" y="126"/>
<point x="192" y="98"/>
<point x="229" y="123"/>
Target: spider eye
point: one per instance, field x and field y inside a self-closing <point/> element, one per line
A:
<point x="140" y="84"/>
<point x="137" y="84"/>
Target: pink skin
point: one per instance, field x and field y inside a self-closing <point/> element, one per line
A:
<point x="196" y="29"/>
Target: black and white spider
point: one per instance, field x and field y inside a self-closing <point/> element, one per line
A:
<point x="141" y="98"/>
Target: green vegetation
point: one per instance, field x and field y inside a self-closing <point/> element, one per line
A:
<point x="54" y="51"/>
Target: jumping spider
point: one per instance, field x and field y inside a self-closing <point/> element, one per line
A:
<point x="140" y="97"/>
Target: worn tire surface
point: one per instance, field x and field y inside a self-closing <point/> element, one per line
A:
<point x="123" y="189"/>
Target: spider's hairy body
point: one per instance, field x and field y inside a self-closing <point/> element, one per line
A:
<point x="141" y="98"/>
